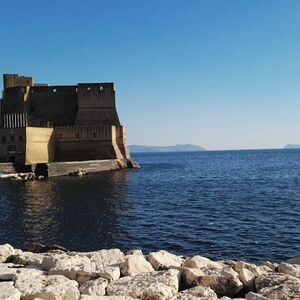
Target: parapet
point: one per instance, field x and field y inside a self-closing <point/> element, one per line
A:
<point x="13" y="80"/>
<point x="16" y="80"/>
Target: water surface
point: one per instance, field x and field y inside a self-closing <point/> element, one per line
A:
<point x="223" y="204"/>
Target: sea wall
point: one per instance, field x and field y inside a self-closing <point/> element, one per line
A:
<point x="92" y="166"/>
<point x="55" y="273"/>
<point x="6" y="168"/>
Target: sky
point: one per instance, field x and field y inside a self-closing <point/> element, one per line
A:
<point x="221" y="74"/>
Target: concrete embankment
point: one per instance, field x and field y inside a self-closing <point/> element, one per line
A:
<point x="54" y="169"/>
<point x="113" y="275"/>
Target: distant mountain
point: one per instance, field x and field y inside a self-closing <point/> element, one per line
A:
<point x="292" y="146"/>
<point x="175" y="148"/>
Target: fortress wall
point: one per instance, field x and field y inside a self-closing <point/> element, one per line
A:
<point x="39" y="145"/>
<point x="96" y="104"/>
<point x="83" y="143"/>
<point x="12" y="80"/>
<point x="17" y="120"/>
<point x="13" y="100"/>
<point x="12" y="145"/>
<point x="53" y="103"/>
<point x="119" y="138"/>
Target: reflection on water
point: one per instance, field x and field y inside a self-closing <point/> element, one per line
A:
<point x="79" y="213"/>
<point x="226" y="204"/>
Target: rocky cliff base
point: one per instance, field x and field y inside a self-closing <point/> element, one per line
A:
<point x="112" y="275"/>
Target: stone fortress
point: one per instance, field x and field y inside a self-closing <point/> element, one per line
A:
<point x="55" y="130"/>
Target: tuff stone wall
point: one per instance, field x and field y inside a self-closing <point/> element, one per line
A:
<point x="96" y="104"/>
<point x="39" y="145"/>
<point x="13" y="145"/>
<point x="59" y="123"/>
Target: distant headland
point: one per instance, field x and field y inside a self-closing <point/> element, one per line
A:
<point x="174" y="148"/>
<point x="292" y="146"/>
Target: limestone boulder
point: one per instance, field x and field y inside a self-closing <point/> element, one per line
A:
<point x="294" y="261"/>
<point x="28" y="258"/>
<point x="134" y="252"/>
<point x="270" y="265"/>
<point x="254" y="296"/>
<point x="196" y="293"/>
<point x="47" y="287"/>
<point x="157" y="285"/>
<point x="8" y="291"/>
<point x="247" y="278"/>
<point x="135" y="265"/>
<point x="289" y="269"/>
<point x="84" y="268"/>
<point x="239" y="265"/>
<point x="198" y="262"/>
<point x="86" y="297"/>
<point x="9" y="271"/>
<point x="96" y="287"/>
<point x="108" y="257"/>
<point x="224" y="282"/>
<point x="278" y="286"/>
<point x="6" y="251"/>
<point x="163" y="260"/>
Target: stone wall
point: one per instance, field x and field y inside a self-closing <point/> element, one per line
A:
<point x="12" y="145"/>
<point x="7" y="168"/>
<point x="57" y="104"/>
<point x="39" y="145"/>
<point x="96" y="104"/>
<point x="12" y="80"/>
<point x="65" y="168"/>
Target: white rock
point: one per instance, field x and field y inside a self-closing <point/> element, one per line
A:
<point x="108" y="257"/>
<point x="278" y="286"/>
<point x="9" y="271"/>
<point x="254" y="296"/>
<point x="82" y="268"/>
<point x="238" y="266"/>
<point x="8" y="291"/>
<point x="247" y="278"/>
<point x="224" y="282"/>
<point x="134" y="265"/>
<point x="155" y="285"/>
<point x="47" y="287"/>
<point x="134" y="252"/>
<point x="196" y="293"/>
<point x="293" y="270"/>
<point x="162" y="260"/>
<point x="28" y="258"/>
<point x="270" y="265"/>
<point x="6" y="251"/>
<point x="198" y="262"/>
<point x="94" y="287"/>
<point x="86" y="297"/>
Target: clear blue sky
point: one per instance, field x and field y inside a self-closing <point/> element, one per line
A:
<point x="223" y="74"/>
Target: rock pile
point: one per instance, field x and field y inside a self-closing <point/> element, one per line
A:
<point x="112" y="275"/>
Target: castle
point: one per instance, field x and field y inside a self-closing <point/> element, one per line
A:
<point x="60" y="128"/>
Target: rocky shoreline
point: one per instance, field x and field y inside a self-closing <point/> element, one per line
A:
<point x="57" y="274"/>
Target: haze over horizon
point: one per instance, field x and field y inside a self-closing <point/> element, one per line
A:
<point x="218" y="74"/>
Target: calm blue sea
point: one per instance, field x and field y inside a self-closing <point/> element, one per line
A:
<point x="223" y="204"/>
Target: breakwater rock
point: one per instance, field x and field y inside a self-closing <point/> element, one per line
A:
<point x="113" y="275"/>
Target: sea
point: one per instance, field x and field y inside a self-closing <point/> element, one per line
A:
<point x="220" y="204"/>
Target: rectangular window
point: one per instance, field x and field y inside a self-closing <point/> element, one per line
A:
<point x="3" y="139"/>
